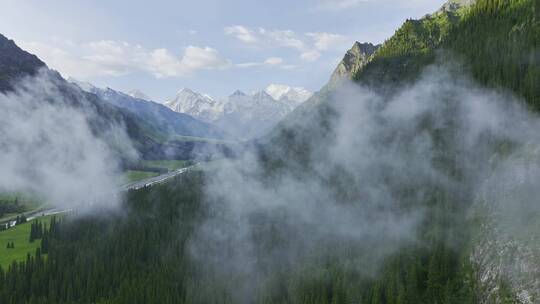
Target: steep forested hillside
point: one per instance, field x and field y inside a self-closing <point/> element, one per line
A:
<point x="499" y="45"/>
<point x="145" y="255"/>
<point x="495" y="41"/>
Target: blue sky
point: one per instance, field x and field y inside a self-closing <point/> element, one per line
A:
<point x="210" y="46"/>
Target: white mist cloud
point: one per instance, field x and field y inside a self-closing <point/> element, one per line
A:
<point x="380" y="154"/>
<point x="48" y="146"/>
<point x="274" y="61"/>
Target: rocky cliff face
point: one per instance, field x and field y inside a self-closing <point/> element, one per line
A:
<point x="454" y="5"/>
<point x="507" y="269"/>
<point x="355" y="58"/>
<point x="506" y="245"/>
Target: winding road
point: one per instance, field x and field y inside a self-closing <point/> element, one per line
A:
<point x="147" y="182"/>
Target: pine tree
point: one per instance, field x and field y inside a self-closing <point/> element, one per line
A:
<point x="32" y="233"/>
<point x="45" y="244"/>
<point x="39" y="232"/>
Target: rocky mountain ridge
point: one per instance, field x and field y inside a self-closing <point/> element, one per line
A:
<point x="454" y="5"/>
<point x="16" y="63"/>
<point x="163" y="120"/>
<point x="355" y="58"/>
<point x="138" y="94"/>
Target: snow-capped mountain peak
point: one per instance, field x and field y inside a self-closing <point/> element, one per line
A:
<point x="246" y="115"/>
<point x="238" y="93"/>
<point x="280" y="91"/>
<point x="262" y="94"/>
<point x="195" y="104"/>
<point x="277" y="90"/>
<point x="138" y="94"/>
<point x="85" y="86"/>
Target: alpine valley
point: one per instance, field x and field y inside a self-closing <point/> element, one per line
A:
<point x="410" y="177"/>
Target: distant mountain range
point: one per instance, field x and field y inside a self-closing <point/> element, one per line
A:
<point x="243" y="115"/>
<point x="155" y="131"/>
<point x="163" y="121"/>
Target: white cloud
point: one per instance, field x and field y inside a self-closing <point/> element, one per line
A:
<point x="113" y="58"/>
<point x="309" y="45"/>
<point x="274" y="61"/>
<point x="324" y="41"/>
<point x="271" y="62"/>
<point x="310" y="55"/>
<point x="340" y="4"/>
<point x="262" y="37"/>
<point x="248" y="64"/>
<point x="117" y="58"/>
<point x="284" y="38"/>
<point x="241" y="33"/>
<point x="288" y="67"/>
<point x="66" y="62"/>
<point x="163" y="63"/>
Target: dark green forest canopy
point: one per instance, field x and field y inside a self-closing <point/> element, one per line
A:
<point x="496" y="42"/>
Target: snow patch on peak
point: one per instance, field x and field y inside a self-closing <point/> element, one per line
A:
<point x="200" y="106"/>
<point x="238" y="93"/>
<point x="185" y="91"/>
<point x="85" y="86"/>
<point x="138" y="94"/>
<point x="277" y="90"/>
<point x="262" y="94"/>
<point x="208" y="96"/>
<point x="281" y="91"/>
<point x="241" y="114"/>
